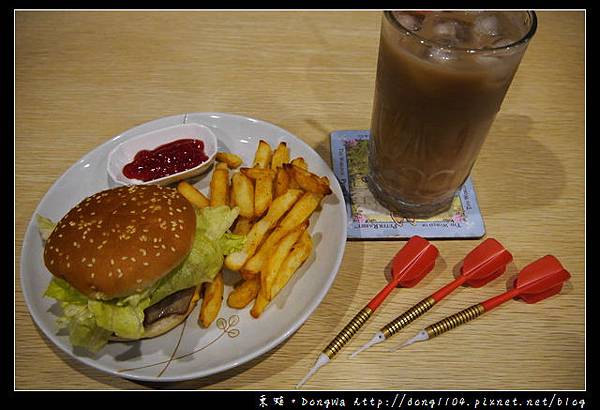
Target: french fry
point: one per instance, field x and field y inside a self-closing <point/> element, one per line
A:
<point x="255" y="173"/>
<point x="279" y="206"/>
<point x="307" y="180"/>
<point x="263" y="195"/>
<point x="219" y="185"/>
<point x="292" y="184"/>
<point x="242" y="226"/>
<point x="244" y="293"/>
<point x="301" y="211"/>
<point x="270" y="269"/>
<point x="298" y="215"/>
<point x="260" y="304"/>
<point x="300" y="162"/>
<point x="253" y="266"/>
<point x="301" y="251"/>
<point x="236" y="260"/>
<point x="263" y="155"/>
<point x="243" y="192"/>
<point x="211" y="303"/>
<point x="232" y="160"/>
<point x="232" y="201"/>
<point x="292" y="181"/>
<point x="290" y="265"/>
<point x="281" y="155"/>
<point x="190" y="193"/>
<point x="281" y="183"/>
<point x="247" y="275"/>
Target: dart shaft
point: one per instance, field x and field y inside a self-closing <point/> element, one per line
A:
<point x="496" y="301"/>
<point x="347" y="332"/>
<point x="407" y="317"/>
<point x="455" y="320"/>
<point x="382" y="295"/>
<point x="449" y="288"/>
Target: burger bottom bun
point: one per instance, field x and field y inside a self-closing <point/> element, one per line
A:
<point x="163" y="325"/>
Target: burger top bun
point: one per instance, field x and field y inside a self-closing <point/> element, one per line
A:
<point x="122" y="240"/>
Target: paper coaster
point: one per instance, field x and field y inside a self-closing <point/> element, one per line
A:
<point x="367" y="219"/>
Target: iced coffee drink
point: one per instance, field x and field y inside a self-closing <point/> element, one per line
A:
<point x="441" y="79"/>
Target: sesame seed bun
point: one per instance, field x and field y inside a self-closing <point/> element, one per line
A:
<point x="121" y="241"/>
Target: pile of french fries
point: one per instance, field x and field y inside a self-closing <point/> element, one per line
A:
<point x="276" y="198"/>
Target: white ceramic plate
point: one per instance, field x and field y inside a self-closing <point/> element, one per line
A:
<point x="188" y="351"/>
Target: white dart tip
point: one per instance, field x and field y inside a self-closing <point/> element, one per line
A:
<point x="322" y="360"/>
<point x="378" y="338"/>
<point x="419" y="337"/>
<point x="362" y="349"/>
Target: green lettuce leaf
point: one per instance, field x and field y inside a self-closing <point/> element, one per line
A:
<point x="63" y="292"/>
<point x="231" y="243"/>
<point x="214" y="222"/>
<point x="205" y="260"/>
<point x="77" y="318"/>
<point x="82" y="327"/>
<point x="91" y="322"/>
<point x="45" y="225"/>
<point x="125" y="321"/>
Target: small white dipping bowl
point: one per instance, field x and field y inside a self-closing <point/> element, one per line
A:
<point x="124" y="153"/>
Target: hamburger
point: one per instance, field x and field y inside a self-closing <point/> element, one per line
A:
<point x="128" y="262"/>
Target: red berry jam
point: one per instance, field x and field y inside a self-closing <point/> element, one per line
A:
<point x="167" y="159"/>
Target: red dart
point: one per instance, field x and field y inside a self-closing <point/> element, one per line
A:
<point x="410" y="265"/>
<point x="482" y="265"/>
<point x="537" y="281"/>
<point x="415" y="260"/>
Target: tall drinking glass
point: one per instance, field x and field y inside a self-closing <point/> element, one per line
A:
<point x="441" y="79"/>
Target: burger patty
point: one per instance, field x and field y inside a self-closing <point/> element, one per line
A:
<point x="175" y="304"/>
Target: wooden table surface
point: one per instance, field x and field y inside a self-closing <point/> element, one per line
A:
<point x="83" y="77"/>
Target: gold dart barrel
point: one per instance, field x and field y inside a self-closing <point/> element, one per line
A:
<point x="347" y="332"/>
<point x="455" y="320"/>
<point x="407" y="317"/>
